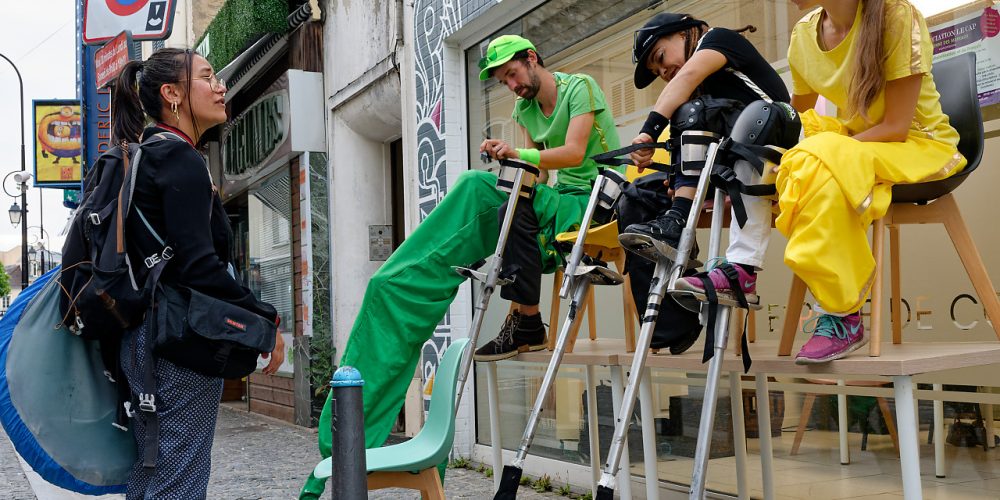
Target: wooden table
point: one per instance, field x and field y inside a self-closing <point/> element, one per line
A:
<point x="900" y="362"/>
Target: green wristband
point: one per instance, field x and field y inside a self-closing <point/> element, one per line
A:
<point x="532" y="156"/>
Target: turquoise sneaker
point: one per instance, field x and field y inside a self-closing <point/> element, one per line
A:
<point x="833" y="338"/>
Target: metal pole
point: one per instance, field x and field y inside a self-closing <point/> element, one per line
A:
<point x="24" y="198"/>
<point x="41" y="230"/>
<point x="348" y="468"/>
<point x="708" y="406"/>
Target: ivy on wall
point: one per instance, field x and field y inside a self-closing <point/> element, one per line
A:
<point x="239" y="22"/>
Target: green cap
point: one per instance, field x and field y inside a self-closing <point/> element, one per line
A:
<point x="501" y="50"/>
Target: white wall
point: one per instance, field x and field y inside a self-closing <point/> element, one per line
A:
<point x="363" y="102"/>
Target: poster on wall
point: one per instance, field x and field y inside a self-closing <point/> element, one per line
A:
<point x="58" y="134"/>
<point x="976" y="32"/>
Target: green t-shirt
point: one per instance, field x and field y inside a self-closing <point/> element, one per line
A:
<point x="576" y="94"/>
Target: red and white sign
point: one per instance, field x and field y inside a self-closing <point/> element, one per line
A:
<point x="112" y="57"/>
<point x="146" y="19"/>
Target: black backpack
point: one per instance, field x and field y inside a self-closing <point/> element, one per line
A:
<point x="101" y="297"/>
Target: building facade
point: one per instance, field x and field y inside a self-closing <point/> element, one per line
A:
<point x="450" y="111"/>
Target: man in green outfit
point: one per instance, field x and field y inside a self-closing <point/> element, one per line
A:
<point x="565" y="121"/>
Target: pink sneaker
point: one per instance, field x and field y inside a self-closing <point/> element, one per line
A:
<point x="833" y="338"/>
<point x="720" y="280"/>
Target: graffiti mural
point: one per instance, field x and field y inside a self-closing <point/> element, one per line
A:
<point x="434" y="21"/>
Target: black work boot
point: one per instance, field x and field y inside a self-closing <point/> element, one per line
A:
<point x="518" y="334"/>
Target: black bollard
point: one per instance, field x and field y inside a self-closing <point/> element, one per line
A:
<point x="349" y="471"/>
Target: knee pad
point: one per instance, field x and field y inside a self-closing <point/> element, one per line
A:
<point x="765" y="123"/>
<point x="773" y="125"/>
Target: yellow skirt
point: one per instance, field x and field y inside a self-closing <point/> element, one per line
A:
<point x="830" y="189"/>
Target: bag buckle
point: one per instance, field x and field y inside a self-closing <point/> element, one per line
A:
<point x="147" y="402"/>
<point x="129" y="412"/>
<point x="95" y="218"/>
<point x="156" y="258"/>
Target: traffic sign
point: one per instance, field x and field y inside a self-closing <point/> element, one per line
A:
<point x="146" y="19"/>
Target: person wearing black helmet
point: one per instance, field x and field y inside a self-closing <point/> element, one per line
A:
<point x="695" y="60"/>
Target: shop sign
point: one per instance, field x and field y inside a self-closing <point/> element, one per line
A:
<point x="254" y="137"/>
<point x="286" y="120"/>
<point x="976" y="32"/>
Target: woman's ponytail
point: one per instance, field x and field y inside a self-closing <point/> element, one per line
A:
<point x="869" y="63"/>
<point x="136" y="93"/>
<point x="127" y="117"/>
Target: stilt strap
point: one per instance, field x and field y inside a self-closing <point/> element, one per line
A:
<point x="611" y="158"/>
<point x="733" y="278"/>
<point x="724" y="177"/>
<point x="523" y="165"/>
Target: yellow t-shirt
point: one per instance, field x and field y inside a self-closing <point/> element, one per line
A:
<point x="829" y="72"/>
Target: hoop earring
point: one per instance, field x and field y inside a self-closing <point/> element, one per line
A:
<point x="173" y="109"/>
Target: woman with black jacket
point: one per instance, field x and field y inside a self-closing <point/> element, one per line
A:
<point x="182" y="96"/>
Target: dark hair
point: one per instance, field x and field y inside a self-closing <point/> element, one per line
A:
<point x="136" y="92"/>
<point x="521" y="55"/>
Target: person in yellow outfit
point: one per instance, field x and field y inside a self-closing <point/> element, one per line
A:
<point x="872" y="60"/>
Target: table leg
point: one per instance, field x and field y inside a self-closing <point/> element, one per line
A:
<point x="909" y="449"/>
<point x="649" y="435"/>
<point x="939" y="434"/>
<point x="592" y="423"/>
<point x="739" y="435"/>
<point x="845" y="448"/>
<point x="764" y="432"/>
<point x="493" y="394"/>
<point x="624" y="478"/>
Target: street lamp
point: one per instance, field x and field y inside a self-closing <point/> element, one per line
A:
<point x="24" y="197"/>
<point x="15" y="214"/>
<point x="43" y="236"/>
<point x="32" y="259"/>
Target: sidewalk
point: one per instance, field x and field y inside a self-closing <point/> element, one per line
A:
<point x="256" y="457"/>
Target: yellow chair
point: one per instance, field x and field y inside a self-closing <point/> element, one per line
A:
<point x="602" y="243"/>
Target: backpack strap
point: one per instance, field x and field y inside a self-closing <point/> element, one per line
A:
<point x="146" y="401"/>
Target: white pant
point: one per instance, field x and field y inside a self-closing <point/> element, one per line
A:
<point x="747" y="245"/>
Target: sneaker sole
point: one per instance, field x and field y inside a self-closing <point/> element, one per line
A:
<point x="508" y="355"/>
<point x="693" y="299"/>
<point x="832" y="357"/>
<point x="652" y="249"/>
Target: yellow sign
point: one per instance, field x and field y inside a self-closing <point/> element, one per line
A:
<point x="58" y="140"/>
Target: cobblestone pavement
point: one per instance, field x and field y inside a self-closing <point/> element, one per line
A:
<point x="256" y="457"/>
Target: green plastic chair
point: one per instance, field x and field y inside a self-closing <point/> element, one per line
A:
<point x="413" y="464"/>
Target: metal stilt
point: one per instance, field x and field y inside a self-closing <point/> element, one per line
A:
<point x="577" y="284"/>
<point x="709" y="403"/>
<point x="664" y="275"/>
<point x="491" y="278"/>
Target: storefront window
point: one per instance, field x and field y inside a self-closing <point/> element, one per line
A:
<point x="270" y="211"/>
<point x="573" y="40"/>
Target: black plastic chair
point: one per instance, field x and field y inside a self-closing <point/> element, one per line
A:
<point x="933" y="202"/>
<point x="956" y="82"/>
